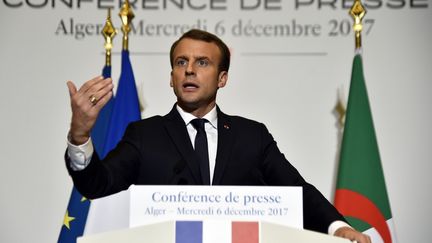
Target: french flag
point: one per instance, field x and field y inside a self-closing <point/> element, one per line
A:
<point x="216" y="232"/>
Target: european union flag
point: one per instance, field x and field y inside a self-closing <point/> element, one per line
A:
<point x="75" y="218"/>
<point x="125" y="110"/>
<point x="77" y="211"/>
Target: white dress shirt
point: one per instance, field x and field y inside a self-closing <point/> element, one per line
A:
<point x="211" y="131"/>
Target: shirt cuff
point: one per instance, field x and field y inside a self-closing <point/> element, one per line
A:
<point x="80" y="155"/>
<point x="337" y="225"/>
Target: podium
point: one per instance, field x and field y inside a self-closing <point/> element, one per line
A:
<point x="165" y="233"/>
<point x="216" y="214"/>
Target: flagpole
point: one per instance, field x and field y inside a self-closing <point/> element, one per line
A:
<point x="357" y="12"/>
<point x="126" y="16"/>
<point x="108" y="32"/>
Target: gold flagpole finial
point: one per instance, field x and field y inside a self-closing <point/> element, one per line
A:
<point x="108" y="32"/>
<point x="126" y="16"/>
<point x="357" y="12"/>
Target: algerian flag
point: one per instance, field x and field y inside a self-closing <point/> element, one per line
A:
<point x="361" y="194"/>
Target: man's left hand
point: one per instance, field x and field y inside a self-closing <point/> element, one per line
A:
<point x="353" y="235"/>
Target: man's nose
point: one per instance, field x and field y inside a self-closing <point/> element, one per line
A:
<point x="190" y="69"/>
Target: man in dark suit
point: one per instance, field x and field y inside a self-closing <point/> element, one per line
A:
<point x="163" y="150"/>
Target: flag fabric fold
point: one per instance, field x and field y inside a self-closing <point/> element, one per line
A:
<point x="99" y="131"/>
<point x="126" y="106"/>
<point x="361" y="194"/>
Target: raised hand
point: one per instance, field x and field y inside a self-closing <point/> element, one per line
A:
<point x="86" y="104"/>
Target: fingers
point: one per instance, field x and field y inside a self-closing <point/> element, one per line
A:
<point x="362" y="238"/>
<point x="89" y="84"/>
<point x="72" y="88"/>
<point x="367" y="238"/>
<point x="103" y="100"/>
<point x="353" y="235"/>
<point x="90" y="92"/>
<point x="98" y="91"/>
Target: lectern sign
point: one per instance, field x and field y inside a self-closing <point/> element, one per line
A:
<point x="152" y="204"/>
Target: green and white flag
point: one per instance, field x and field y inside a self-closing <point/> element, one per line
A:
<point x="361" y="194"/>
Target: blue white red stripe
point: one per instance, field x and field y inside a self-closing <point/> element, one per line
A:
<point x="216" y="231"/>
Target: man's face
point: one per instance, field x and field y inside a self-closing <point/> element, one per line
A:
<point x="195" y="77"/>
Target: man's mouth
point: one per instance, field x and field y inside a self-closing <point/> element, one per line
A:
<point x="190" y="85"/>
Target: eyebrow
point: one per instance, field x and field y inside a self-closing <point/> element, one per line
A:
<point x="195" y="57"/>
<point x="202" y="57"/>
<point x="181" y="57"/>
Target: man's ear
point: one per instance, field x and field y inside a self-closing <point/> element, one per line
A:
<point x="223" y="78"/>
<point x="171" y="81"/>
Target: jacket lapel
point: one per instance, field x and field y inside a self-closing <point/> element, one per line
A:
<point x="177" y="130"/>
<point x="226" y="139"/>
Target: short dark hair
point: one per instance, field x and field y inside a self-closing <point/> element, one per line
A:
<point x="202" y="35"/>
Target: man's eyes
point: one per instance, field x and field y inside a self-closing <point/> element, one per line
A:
<point x="203" y="63"/>
<point x="181" y="62"/>
<point x="200" y="62"/>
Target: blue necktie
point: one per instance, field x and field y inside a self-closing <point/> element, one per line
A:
<point x="201" y="149"/>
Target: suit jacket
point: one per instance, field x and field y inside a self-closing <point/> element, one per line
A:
<point x="158" y="151"/>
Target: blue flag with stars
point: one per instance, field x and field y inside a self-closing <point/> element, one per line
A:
<point x="77" y="211"/>
<point x="75" y="218"/>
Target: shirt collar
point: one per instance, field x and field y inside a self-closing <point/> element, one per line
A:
<point x="187" y="117"/>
